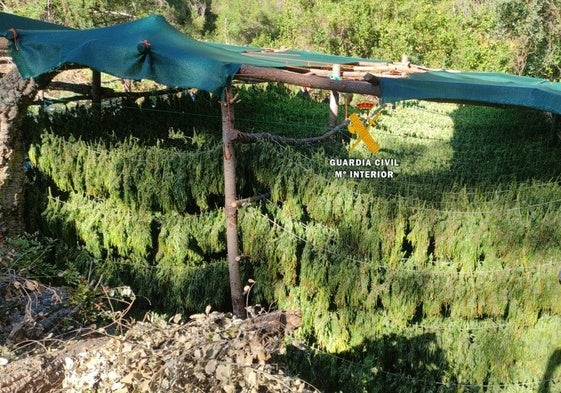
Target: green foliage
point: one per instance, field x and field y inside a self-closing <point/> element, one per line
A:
<point x="533" y="28"/>
<point x="34" y="264"/>
<point x="105" y="227"/>
<point x="440" y="279"/>
<point x="275" y="106"/>
<point x="152" y="178"/>
<point x="190" y="238"/>
<point x="93" y="13"/>
<point x="463" y="236"/>
<point x="31" y="256"/>
<point x="245" y="21"/>
<point x="130" y="205"/>
<point x="169" y="120"/>
<point x="451" y="34"/>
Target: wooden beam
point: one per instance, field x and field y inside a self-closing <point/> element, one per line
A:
<point x="262" y="74"/>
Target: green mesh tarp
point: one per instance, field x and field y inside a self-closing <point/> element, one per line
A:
<point x="148" y="48"/>
<point x="291" y="57"/>
<point x="475" y="87"/>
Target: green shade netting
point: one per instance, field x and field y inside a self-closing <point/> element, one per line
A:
<point x="474" y="87"/>
<point x="291" y="57"/>
<point x="172" y="58"/>
<point x="148" y="48"/>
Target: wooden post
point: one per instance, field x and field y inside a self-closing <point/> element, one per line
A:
<point x="554" y="127"/>
<point x="96" y="90"/>
<point x="230" y="206"/>
<point x="334" y="98"/>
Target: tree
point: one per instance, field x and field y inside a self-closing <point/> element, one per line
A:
<point x="16" y="96"/>
<point x="533" y="29"/>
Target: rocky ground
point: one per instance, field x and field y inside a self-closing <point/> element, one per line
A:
<point x="43" y="350"/>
